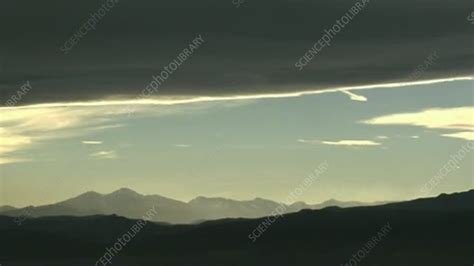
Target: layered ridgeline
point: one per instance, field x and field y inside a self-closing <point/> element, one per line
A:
<point x="431" y="231"/>
<point x="128" y="203"/>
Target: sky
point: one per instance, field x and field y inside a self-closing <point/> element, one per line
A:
<point x="380" y="144"/>
<point x="234" y="99"/>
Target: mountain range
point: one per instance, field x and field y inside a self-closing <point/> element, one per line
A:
<point x="130" y="204"/>
<point x="430" y="231"/>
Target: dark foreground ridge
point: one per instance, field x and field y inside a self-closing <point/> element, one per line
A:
<point x="431" y="231"/>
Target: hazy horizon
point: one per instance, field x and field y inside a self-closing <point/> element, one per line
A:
<point x="234" y="199"/>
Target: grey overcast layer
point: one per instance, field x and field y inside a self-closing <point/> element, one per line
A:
<point x="248" y="50"/>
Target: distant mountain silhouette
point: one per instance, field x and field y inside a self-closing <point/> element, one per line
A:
<point x="218" y="208"/>
<point x="128" y="203"/>
<point x="431" y="231"/>
<point x="124" y="202"/>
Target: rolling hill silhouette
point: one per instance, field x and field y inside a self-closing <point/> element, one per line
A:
<point x="430" y="231"/>
<point x="6" y="208"/>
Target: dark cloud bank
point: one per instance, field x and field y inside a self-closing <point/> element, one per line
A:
<point x="250" y="49"/>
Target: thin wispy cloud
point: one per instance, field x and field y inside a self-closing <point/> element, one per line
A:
<point x="104" y="154"/>
<point x="10" y="160"/>
<point x="352" y="143"/>
<point x="12" y="141"/>
<point x="25" y="127"/>
<point x="182" y="145"/>
<point x="468" y="135"/>
<point x="91" y="142"/>
<point x="342" y="142"/>
<point x="460" y="119"/>
<point x="106" y="127"/>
